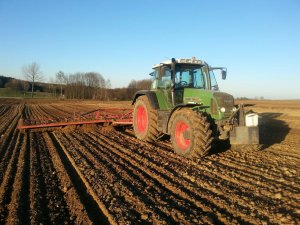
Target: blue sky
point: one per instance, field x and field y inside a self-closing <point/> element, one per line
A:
<point x="258" y="41"/>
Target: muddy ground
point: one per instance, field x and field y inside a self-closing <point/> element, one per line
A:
<point x="103" y="176"/>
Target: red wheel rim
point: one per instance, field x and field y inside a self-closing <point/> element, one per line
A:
<point x="141" y="119"/>
<point x="182" y="142"/>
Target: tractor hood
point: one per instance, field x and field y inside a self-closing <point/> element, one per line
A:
<point x="219" y="104"/>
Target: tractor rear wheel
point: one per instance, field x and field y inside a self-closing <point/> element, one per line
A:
<point x="191" y="135"/>
<point x="145" y="120"/>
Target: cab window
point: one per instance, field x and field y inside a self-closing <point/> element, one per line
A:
<point x="164" y="77"/>
<point x="153" y="75"/>
<point x="187" y="76"/>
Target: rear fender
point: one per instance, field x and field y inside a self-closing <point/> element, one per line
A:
<point x="150" y="95"/>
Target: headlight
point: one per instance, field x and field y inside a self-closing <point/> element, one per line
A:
<point x="222" y="109"/>
<point x="234" y="109"/>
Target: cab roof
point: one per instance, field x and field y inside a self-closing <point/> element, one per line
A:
<point x="193" y="60"/>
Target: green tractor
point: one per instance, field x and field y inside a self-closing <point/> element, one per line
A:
<point x="185" y="103"/>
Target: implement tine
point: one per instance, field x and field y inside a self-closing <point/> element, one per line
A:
<point x="111" y="115"/>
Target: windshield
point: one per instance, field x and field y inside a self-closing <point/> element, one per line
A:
<point x="189" y="76"/>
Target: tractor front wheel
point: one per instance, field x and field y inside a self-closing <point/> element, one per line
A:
<point x="191" y="135"/>
<point x="145" y="120"/>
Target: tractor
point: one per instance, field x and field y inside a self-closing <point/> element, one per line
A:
<point x="185" y="104"/>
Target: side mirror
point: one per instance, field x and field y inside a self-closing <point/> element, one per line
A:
<point x="224" y="74"/>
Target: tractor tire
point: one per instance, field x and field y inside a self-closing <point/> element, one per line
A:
<point x="190" y="131"/>
<point x="145" y="120"/>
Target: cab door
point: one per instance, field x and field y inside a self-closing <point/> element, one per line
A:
<point x="184" y="79"/>
<point x="164" y="85"/>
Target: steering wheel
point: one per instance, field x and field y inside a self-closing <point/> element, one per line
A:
<point x="215" y="87"/>
<point x="183" y="83"/>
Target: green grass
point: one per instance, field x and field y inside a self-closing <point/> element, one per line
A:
<point x="9" y="93"/>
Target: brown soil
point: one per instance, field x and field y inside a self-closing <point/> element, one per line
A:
<point x="85" y="175"/>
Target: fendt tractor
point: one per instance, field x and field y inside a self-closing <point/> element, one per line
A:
<point x="185" y="103"/>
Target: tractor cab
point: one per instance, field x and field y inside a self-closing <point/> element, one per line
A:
<point x="188" y="81"/>
<point x="187" y="73"/>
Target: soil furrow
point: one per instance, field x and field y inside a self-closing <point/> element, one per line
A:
<point x="87" y="166"/>
<point x="183" y="192"/>
<point x="241" y="192"/>
<point x="82" y="205"/>
<point x="6" y="187"/>
<point x="39" y="213"/>
<point x="105" y="213"/>
<point x="238" y="177"/>
<point x="58" y="210"/>
<point x="134" y="183"/>
<point x="262" y="178"/>
<point x="10" y="133"/>
<point x="19" y="205"/>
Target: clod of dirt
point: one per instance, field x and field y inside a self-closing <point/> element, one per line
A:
<point x="69" y="128"/>
<point x="278" y="195"/>
<point x="144" y="216"/>
<point x="88" y="127"/>
<point x="105" y="129"/>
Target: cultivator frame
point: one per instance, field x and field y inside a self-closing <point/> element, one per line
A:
<point x="109" y="116"/>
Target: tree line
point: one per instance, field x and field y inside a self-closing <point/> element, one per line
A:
<point x="90" y="85"/>
<point x="80" y="85"/>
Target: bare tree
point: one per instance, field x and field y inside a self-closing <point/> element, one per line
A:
<point x="107" y="88"/>
<point x="52" y="87"/>
<point x="89" y="85"/>
<point x="25" y="85"/>
<point x="33" y="74"/>
<point x="61" y="79"/>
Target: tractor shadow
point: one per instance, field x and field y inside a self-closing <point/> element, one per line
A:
<point x="271" y="131"/>
<point x="219" y="147"/>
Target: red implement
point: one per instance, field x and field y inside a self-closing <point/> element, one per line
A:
<point x="113" y="116"/>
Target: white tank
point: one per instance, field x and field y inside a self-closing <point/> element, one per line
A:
<point x="251" y="120"/>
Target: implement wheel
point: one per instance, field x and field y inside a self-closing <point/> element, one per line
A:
<point x="145" y="120"/>
<point x="190" y="133"/>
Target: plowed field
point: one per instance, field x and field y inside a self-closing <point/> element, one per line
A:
<point x="99" y="175"/>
